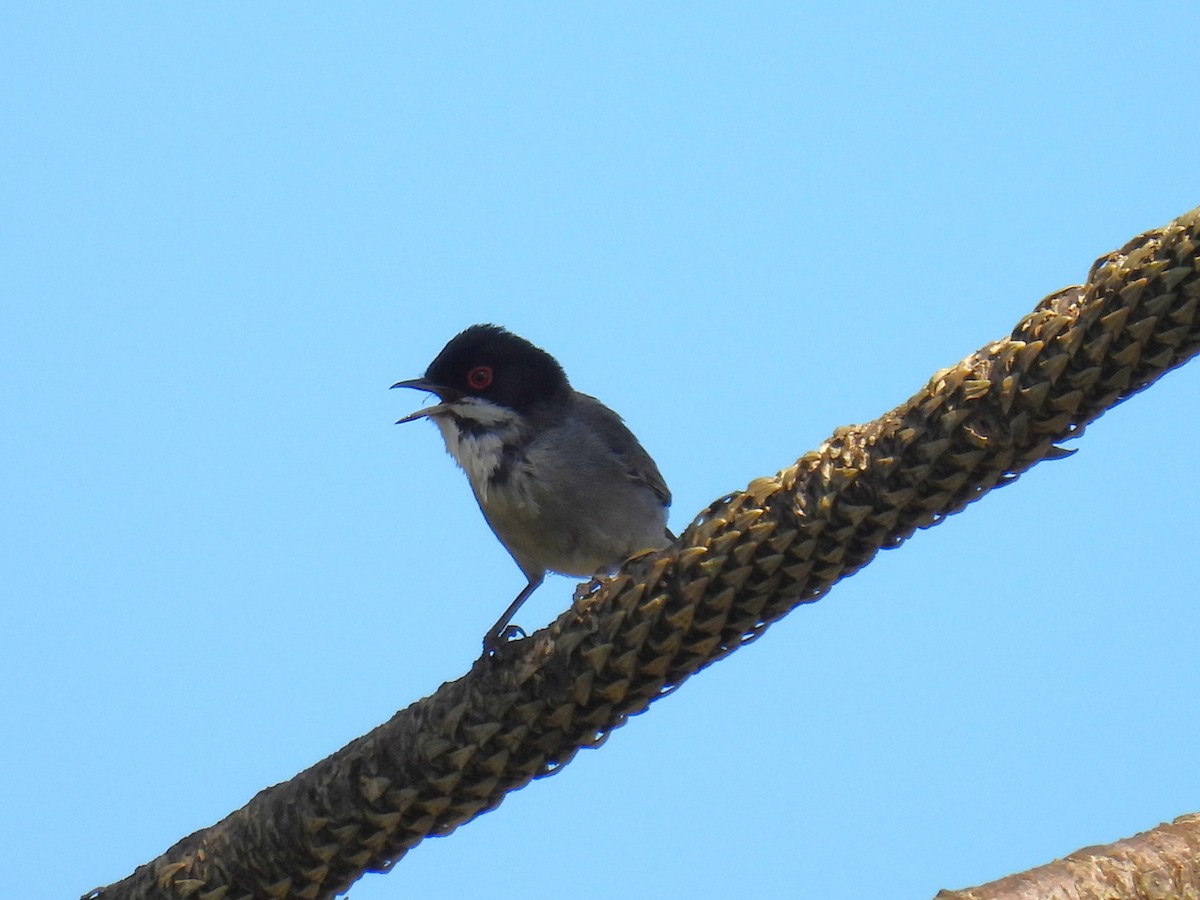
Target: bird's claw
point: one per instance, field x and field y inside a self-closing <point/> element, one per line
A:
<point x="497" y="639"/>
<point x="584" y="591"/>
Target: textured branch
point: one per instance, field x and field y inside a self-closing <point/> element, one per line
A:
<point x="1160" y="864"/>
<point x="745" y="562"/>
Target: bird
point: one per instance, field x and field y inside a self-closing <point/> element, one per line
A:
<point x="562" y="482"/>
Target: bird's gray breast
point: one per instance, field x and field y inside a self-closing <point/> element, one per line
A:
<point x="573" y="498"/>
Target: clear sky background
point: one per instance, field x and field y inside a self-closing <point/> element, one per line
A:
<point x="227" y="228"/>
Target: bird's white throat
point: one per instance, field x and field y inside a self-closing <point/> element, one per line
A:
<point x="478" y="450"/>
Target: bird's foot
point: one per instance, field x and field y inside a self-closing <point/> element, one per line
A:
<point x="494" y="640"/>
<point x="584" y="591"/>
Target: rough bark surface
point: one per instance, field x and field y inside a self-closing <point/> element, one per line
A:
<point x="743" y="563"/>
<point x="1160" y="864"/>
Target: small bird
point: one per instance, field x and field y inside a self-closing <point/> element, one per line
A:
<point x="564" y="485"/>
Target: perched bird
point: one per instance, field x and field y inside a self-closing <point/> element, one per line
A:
<point x="564" y="485"/>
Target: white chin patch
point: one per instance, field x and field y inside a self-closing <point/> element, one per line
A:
<point x="477" y="451"/>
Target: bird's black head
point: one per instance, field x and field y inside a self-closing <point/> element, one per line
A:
<point x="489" y="362"/>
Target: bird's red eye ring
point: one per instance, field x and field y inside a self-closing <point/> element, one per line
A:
<point x="479" y="377"/>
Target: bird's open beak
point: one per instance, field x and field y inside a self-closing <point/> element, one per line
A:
<point x="423" y="413"/>
<point x="447" y="397"/>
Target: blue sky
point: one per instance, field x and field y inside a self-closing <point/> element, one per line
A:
<point x="229" y="227"/>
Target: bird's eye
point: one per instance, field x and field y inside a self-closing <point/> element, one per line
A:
<point x="480" y="377"/>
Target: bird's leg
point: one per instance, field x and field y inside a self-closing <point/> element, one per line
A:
<point x="502" y="632"/>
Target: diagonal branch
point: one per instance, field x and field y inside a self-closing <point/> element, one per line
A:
<point x="1161" y="863"/>
<point x="745" y="562"/>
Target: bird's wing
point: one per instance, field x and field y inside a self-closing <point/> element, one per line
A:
<point x="638" y="464"/>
